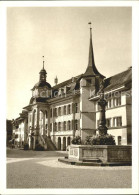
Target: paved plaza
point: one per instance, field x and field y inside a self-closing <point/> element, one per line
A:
<point x="41" y="169"/>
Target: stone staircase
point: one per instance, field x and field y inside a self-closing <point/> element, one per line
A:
<point x="84" y="162"/>
<point x="47" y="143"/>
<point x="95" y="160"/>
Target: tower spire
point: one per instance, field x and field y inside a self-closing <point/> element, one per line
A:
<point x="91" y="68"/>
<point x="91" y="61"/>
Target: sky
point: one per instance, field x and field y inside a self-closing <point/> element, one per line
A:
<point x="61" y="34"/>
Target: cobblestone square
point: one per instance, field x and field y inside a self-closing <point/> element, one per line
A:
<point x="41" y="169"/>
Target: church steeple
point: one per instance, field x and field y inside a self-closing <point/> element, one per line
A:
<point x="43" y="73"/>
<point x="91" y="68"/>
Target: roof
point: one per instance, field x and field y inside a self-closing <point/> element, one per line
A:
<point x="91" y="68"/>
<point x="43" y="71"/>
<point x="118" y="80"/>
<point x="42" y="84"/>
<point x="71" y="82"/>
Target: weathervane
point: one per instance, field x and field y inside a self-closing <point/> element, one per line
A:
<point x="90" y="25"/>
<point x="43" y="62"/>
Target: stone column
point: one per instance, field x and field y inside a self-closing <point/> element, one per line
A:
<point x="38" y="117"/>
<point x="36" y="135"/>
<point x="25" y="130"/>
<point x="52" y="119"/>
<point x="102" y="103"/>
<point x="48" y="132"/>
<point x="32" y="137"/>
<point x="44" y="115"/>
<point x="32" y="126"/>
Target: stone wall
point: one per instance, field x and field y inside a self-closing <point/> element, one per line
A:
<point x="103" y="152"/>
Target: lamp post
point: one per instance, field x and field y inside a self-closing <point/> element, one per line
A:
<point x="102" y="103"/>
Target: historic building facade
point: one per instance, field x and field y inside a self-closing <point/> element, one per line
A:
<point x="57" y="114"/>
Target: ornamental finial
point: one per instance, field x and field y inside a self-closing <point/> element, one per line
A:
<point x="90" y="25"/>
<point x="43" y="62"/>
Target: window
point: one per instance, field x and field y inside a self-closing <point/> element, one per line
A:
<point x="117" y="121"/>
<point x="46" y="126"/>
<point x="59" y="111"/>
<point x="108" y="122"/>
<point x="64" y="125"/>
<point x="109" y="103"/>
<point x="55" y="126"/>
<point x="114" y="122"/>
<point x="117" y="101"/>
<point x="76" y="124"/>
<point x="119" y="140"/>
<point x="55" y="112"/>
<point x="59" y="126"/>
<point x="69" y="125"/>
<point x="69" y="109"/>
<point x="64" y="110"/>
<point x="62" y="91"/>
<point x="76" y="108"/>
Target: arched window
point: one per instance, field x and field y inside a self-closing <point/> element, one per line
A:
<point x="56" y="112"/>
<point x="69" y="125"/>
<point x="59" y="143"/>
<point x="55" y="126"/>
<point x="64" y="125"/>
<point x="68" y="141"/>
<point x="69" y="109"/>
<point x="65" y="110"/>
<point x="64" y="143"/>
<point x="59" y="111"/>
<point x="59" y="126"/>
